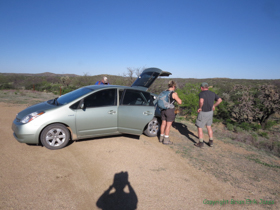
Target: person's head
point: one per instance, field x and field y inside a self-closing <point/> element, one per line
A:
<point x="204" y="86"/>
<point x="120" y="180"/>
<point x="105" y="80"/>
<point x="172" y="84"/>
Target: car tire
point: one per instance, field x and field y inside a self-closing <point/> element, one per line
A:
<point x="55" y="136"/>
<point x="152" y="128"/>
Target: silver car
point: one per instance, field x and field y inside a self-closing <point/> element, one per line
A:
<point x="91" y="111"/>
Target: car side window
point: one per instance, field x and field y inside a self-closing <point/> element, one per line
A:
<point x="101" y="98"/>
<point x="137" y="98"/>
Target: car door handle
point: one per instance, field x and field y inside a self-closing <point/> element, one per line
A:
<point x="147" y="113"/>
<point x="112" y="112"/>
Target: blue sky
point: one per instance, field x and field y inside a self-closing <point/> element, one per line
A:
<point x="238" y="39"/>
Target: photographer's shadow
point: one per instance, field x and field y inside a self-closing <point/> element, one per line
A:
<point x="183" y="129"/>
<point x="118" y="199"/>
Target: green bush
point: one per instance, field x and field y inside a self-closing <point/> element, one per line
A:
<point x="263" y="134"/>
<point x="190" y="99"/>
<point x="255" y="136"/>
<point x="238" y="129"/>
<point x="6" y="86"/>
<point x="270" y="124"/>
<point x="67" y="90"/>
<point x="245" y="126"/>
<point x="216" y="120"/>
<point x="230" y="127"/>
<point x="276" y="145"/>
<point x="256" y="127"/>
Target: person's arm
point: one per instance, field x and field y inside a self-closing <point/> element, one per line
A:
<point x="217" y="103"/>
<point x="176" y="97"/>
<point x="201" y="101"/>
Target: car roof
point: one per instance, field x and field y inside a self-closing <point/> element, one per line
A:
<point x="97" y="87"/>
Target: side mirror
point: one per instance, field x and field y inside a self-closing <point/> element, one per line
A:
<point x="82" y="106"/>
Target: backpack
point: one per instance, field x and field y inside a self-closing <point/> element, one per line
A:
<point x="163" y="100"/>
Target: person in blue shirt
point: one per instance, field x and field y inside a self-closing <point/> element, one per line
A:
<point x="104" y="81"/>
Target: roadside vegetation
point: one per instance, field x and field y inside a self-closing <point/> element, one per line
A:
<point x="249" y="113"/>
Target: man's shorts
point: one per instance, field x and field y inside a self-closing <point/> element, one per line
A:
<point x="204" y="118"/>
<point x="168" y="115"/>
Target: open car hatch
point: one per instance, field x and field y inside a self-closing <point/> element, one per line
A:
<point x="148" y="76"/>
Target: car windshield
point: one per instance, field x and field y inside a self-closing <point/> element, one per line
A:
<point x="68" y="97"/>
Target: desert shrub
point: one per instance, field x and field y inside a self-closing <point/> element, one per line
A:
<point x="255" y="136"/>
<point x="276" y="146"/>
<point x="190" y="99"/>
<point x="256" y="127"/>
<point x="263" y="134"/>
<point x="263" y="144"/>
<point x="193" y="120"/>
<point x="67" y="90"/>
<point x="250" y="103"/>
<point x="245" y="126"/>
<point x="270" y="124"/>
<point x="216" y="120"/>
<point x="6" y="86"/>
<point x="230" y="127"/>
<point x="238" y="129"/>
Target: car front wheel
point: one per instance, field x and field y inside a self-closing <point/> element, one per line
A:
<point x="55" y="136"/>
<point x="152" y="128"/>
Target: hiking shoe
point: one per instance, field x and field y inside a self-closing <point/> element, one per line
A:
<point x="167" y="141"/>
<point x="161" y="139"/>
<point x="199" y="144"/>
<point x="210" y="143"/>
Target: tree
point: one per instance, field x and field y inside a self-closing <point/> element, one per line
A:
<point x="189" y="96"/>
<point x="267" y="102"/>
<point x="130" y="74"/>
<point x="242" y="107"/>
<point x="253" y="104"/>
<point x="65" y="80"/>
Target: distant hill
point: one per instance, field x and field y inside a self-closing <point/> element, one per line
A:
<point x="45" y="74"/>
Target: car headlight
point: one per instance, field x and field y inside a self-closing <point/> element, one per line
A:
<point x="31" y="117"/>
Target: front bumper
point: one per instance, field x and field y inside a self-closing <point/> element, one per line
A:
<point x="25" y="133"/>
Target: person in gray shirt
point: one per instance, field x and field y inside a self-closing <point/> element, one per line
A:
<point x="205" y="113"/>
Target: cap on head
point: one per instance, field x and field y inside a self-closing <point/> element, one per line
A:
<point x="105" y="79"/>
<point x="204" y="85"/>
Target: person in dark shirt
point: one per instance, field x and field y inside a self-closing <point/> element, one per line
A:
<point x="205" y="113"/>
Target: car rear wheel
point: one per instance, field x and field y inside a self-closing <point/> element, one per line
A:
<point x="55" y="136"/>
<point x="152" y="128"/>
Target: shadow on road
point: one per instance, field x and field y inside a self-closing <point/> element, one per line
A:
<point x="118" y="199"/>
<point x="183" y="129"/>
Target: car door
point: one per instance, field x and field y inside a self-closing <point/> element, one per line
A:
<point x="147" y="77"/>
<point x="136" y="109"/>
<point x="98" y="115"/>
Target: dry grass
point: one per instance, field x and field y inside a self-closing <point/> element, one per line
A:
<point x="233" y="162"/>
<point x="28" y="97"/>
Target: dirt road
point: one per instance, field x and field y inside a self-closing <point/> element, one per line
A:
<point x="79" y="176"/>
